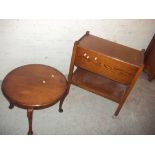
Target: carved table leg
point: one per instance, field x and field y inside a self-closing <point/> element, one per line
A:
<point x="11" y="105"/>
<point x="61" y="102"/>
<point x="30" y="115"/>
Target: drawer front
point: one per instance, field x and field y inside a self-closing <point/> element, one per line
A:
<point x="99" y="63"/>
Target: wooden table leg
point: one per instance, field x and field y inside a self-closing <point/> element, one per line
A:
<point x="11" y="105"/>
<point x="30" y="116"/>
<point x="61" y="101"/>
<point x="60" y="104"/>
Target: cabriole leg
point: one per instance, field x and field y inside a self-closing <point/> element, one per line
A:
<point x="62" y="100"/>
<point x="11" y="105"/>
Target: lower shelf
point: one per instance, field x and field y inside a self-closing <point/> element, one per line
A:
<point x="99" y="85"/>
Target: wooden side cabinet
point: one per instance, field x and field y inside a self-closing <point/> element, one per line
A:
<point x="105" y="68"/>
<point x="149" y="60"/>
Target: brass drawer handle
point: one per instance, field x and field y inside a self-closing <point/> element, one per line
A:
<point x="87" y="57"/>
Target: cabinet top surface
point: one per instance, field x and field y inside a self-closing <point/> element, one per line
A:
<point x="111" y="49"/>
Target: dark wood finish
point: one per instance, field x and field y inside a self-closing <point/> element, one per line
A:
<point x="35" y="86"/>
<point x="150" y="60"/>
<point x="11" y="106"/>
<point x="105" y="68"/>
<point x="129" y="88"/>
<point x="62" y="100"/>
<point x="30" y="115"/>
<point x="98" y="84"/>
<point x="111" y="49"/>
<point x="102" y="64"/>
<point x="72" y="64"/>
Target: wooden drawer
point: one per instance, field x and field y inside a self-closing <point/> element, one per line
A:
<point x="104" y="65"/>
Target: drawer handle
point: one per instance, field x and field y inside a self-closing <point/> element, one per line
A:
<point x="95" y="58"/>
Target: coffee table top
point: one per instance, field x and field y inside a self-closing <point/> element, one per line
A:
<point x="34" y="86"/>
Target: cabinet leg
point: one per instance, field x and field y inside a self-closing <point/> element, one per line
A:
<point x="30" y="116"/>
<point x="150" y="78"/>
<point x="117" y="111"/>
<point x="11" y="105"/>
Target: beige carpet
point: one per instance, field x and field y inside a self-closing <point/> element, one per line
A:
<point x="87" y="113"/>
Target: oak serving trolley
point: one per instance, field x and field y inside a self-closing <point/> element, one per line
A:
<point x="105" y="68"/>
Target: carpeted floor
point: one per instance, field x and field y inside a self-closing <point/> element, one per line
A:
<point x="87" y="113"/>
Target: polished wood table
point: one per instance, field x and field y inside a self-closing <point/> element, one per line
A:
<point x="34" y="86"/>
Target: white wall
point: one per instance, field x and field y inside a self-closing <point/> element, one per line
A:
<point x="50" y="41"/>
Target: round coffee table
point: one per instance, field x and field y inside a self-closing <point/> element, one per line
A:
<point x="34" y="86"/>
